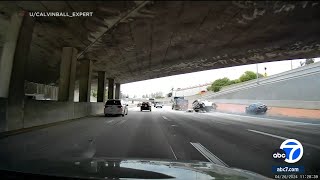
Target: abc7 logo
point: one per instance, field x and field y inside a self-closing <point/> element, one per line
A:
<point x="291" y="151"/>
<point x="279" y="155"/>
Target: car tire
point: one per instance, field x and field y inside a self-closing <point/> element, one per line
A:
<point x="150" y="110"/>
<point x="122" y="115"/>
<point x="127" y="112"/>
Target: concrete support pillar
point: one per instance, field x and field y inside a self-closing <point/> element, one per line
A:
<point x="85" y="81"/>
<point x="110" y="88"/>
<point x="8" y="52"/>
<point x="101" y="86"/>
<point x="67" y="74"/>
<point x="117" y="93"/>
<point x="12" y="71"/>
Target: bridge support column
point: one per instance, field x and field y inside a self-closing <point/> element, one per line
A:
<point x="13" y="62"/>
<point x="67" y="74"/>
<point x="110" y="88"/>
<point x="85" y="81"/>
<point x="101" y="86"/>
<point x="117" y="93"/>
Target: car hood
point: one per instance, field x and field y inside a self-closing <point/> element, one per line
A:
<point x="103" y="168"/>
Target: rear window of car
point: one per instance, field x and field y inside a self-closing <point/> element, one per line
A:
<point x="145" y="103"/>
<point x="113" y="102"/>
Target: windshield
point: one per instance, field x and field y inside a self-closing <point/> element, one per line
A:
<point x="113" y="102"/>
<point x="224" y="88"/>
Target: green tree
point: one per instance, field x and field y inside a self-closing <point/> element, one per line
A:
<point x="309" y="61"/>
<point x="249" y="75"/>
<point x="94" y="93"/>
<point x="235" y="81"/>
<point x="219" y="83"/>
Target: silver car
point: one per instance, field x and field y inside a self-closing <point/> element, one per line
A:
<point x="115" y="107"/>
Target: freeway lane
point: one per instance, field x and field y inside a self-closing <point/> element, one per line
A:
<point x="229" y="138"/>
<point x="238" y="141"/>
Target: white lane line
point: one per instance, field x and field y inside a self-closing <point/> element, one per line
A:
<point x="173" y="153"/>
<point x="208" y="155"/>
<point x="283" y="138"/>
<point x="121" y="122"/>
<point x="267" y="134"/>
<point x="255" y="118"/>
<point x="108" y="122"/>
<point x="166" y="118"/>
<point x="198" y="116"/>
<point x="223" y="123"/>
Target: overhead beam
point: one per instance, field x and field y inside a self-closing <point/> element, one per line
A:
<point x="134" y="11"/>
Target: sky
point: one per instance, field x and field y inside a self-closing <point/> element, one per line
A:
<point x="165" y="84"/>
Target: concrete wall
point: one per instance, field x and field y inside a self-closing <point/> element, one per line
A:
<point x="272" y="111"/>
<point x="44" y="112"/>
<point x="3" y="113"/>
<point x="294" y="93"/>
<point x="298" y="88"/>
<point x="305" y="88"/>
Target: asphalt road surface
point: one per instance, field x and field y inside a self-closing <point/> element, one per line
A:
<point x="239" y="141"/>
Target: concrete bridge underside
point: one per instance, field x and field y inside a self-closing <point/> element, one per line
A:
<point x="140" y="40"/>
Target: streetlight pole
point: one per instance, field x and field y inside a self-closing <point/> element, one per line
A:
<point x="257" y="73"/>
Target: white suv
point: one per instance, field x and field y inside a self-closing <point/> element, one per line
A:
<point x="158" y="105"/>
<point x="115" y="107"/>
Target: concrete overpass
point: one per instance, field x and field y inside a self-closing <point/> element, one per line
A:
<point x="137" y="40"/>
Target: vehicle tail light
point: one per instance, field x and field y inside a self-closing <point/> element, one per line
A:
<point x="106" y="106"/>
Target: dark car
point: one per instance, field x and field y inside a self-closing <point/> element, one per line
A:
<point x="256" y="108"/>
<point x="145" y="106"/>
<point x="197" y="105"/>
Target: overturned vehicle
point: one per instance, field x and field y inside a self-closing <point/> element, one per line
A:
<point x="256" y="108"/>
<point x="203" y="106"/>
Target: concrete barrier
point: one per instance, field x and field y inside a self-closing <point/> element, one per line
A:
<point x="273" y="111"/>
<point x="44" y="112"/>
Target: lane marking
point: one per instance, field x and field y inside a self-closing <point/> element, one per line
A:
<point x="121" y="122"/>
<point x="283" y="138"/>
<point x="173" y="153"/>
<point x="208" y="155"/>
<point x="255" y="118"/>
<point x="267" y="134"/>
<point x="108" y="122"/>
<point x="166" y="118"/>
<point x="223" y="123"/>
<point x="197" y="116"/>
